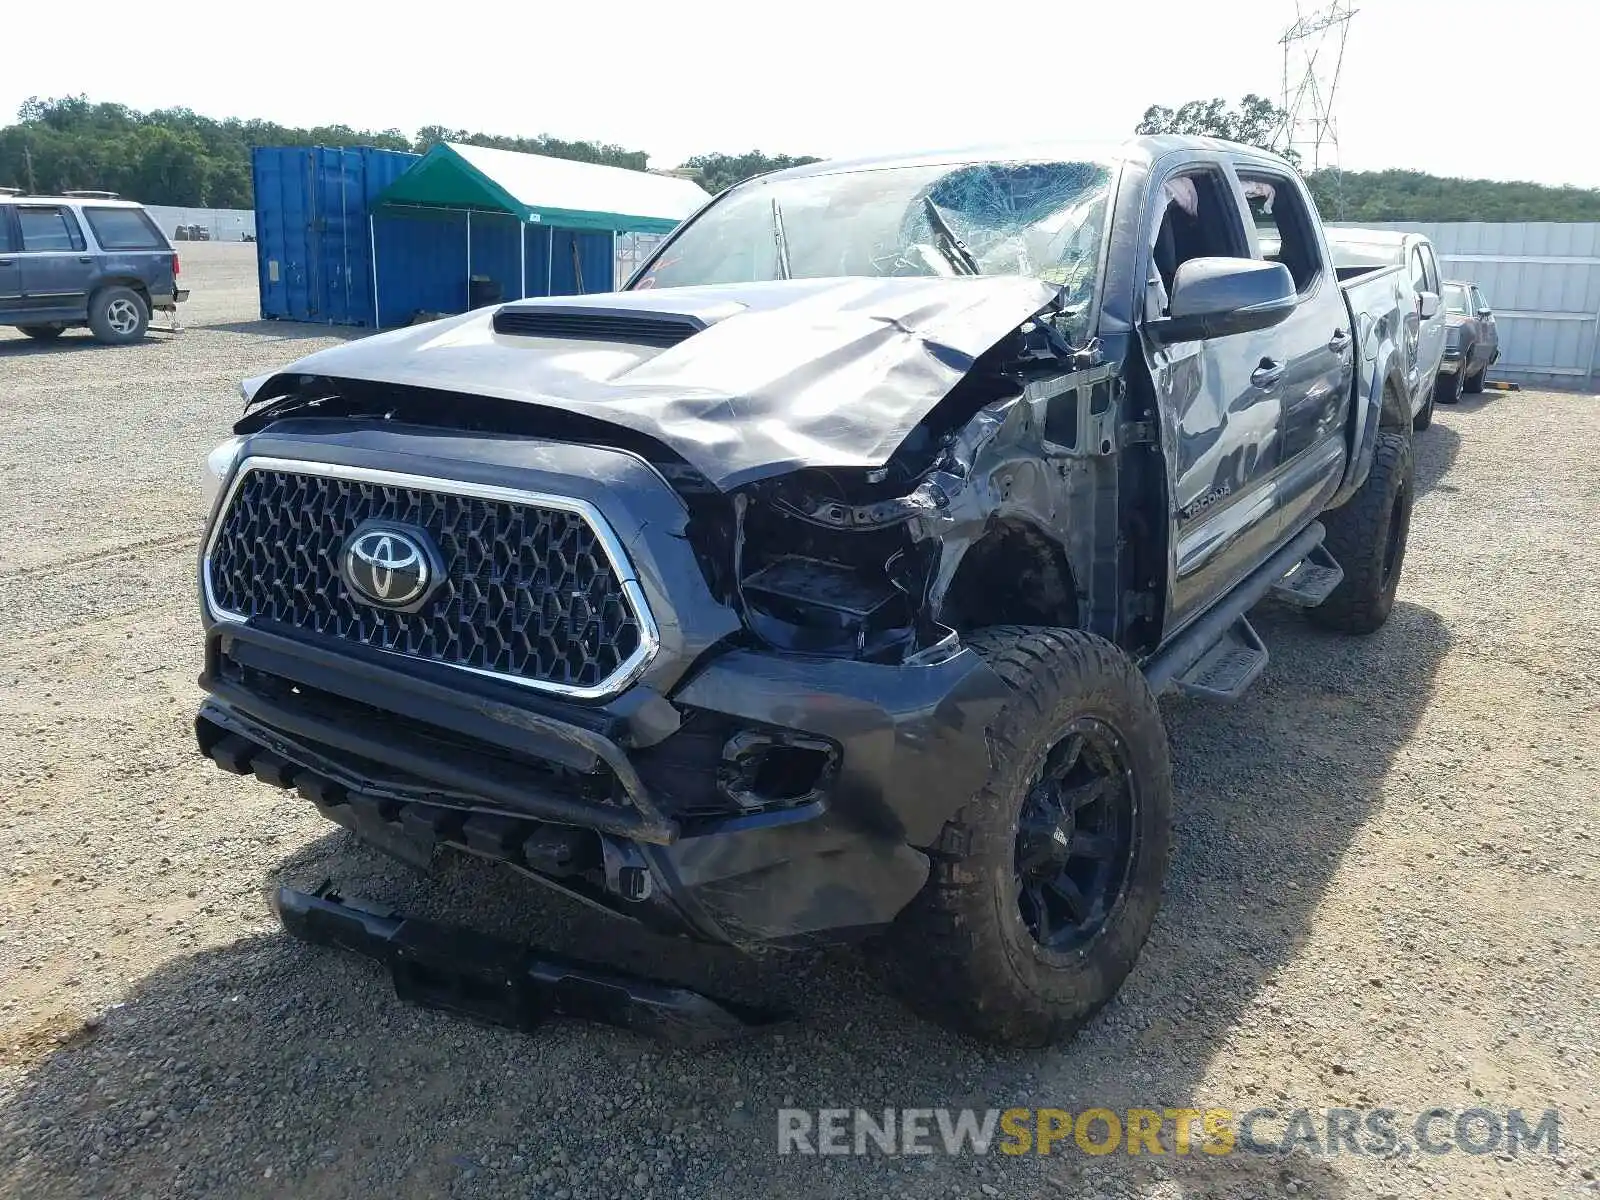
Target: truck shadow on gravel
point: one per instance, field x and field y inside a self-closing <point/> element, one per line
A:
<point x="75" y="341"/>
<point x="268" y="1067"/>
<point x="284" y="331"/>
<point x="1436" y="449"/>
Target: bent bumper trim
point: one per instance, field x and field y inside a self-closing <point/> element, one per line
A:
<point x="490" y="979"/>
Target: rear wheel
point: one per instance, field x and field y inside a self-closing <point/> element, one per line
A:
<point x="1367" y="535"/>
<point x="1045" y="885"/>
<point x="118" y="315"/>
<point x="43" y="333"/>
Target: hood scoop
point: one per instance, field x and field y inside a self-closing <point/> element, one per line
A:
<point x="590" y="323"/>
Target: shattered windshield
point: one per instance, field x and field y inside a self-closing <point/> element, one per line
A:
<point x="1042" y="219"/>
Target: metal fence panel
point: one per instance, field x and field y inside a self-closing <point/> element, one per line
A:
<point x="223" y="224"/>
<point x="1543" y="279"/>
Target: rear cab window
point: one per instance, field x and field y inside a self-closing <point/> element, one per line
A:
<point x="124" y="229"/>
<point x="48" y="228"/>
<point x="1284" y="229"/>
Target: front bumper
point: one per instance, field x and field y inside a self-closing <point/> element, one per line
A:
<point x="646" y="806"/>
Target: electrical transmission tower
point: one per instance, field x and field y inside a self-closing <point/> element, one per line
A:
<point x="1313" y="56"/>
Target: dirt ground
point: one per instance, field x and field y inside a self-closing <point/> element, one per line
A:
<point x="1383" y="892"/>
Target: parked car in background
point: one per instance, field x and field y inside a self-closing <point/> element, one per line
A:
<point x="1358" y="250"/>
<point x="70" y="261"/>
<point x="1472" y="341"/>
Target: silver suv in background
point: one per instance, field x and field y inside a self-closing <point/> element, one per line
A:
<point x="1472" y="342"/>
<point x="83" y="259"/>
<point x="1358" y="250"/>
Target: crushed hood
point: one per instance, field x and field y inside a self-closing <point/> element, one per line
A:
<point x="742" y="381"/>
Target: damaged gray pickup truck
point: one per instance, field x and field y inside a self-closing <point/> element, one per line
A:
<point x="821" y="582"/>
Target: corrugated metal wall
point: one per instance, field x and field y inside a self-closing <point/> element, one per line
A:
<point x="314" y="244"/>
<point x="225" y="224"/>
<point x="1543" y="280"/>
<point x="423" y="268"/>
<point x="312" y="241"/>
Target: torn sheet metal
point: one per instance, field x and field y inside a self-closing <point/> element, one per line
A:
<point x="785" y="374"/>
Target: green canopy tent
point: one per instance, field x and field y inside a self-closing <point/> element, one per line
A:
<point x="534" y="190"/>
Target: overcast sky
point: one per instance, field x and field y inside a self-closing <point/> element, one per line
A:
<point x="1485" y="88"/>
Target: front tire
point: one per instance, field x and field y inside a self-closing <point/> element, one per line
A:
<point x="118" y="316"/>
<point x="1447" y="388"/>
<point x="43" y="333"/>
<point x="1474" y="385"/>
<point x="1424" y="416"/>
<point x="1045" y="885"/>
<point x="1367" y="536"/>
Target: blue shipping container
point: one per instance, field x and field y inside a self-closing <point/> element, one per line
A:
<point x="316" y="229"/>
<point x="423" y="265"/>
<point x="313" y="247"/>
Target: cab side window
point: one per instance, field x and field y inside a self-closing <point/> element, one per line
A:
<point x="1284" y="228"/>
<point x="1198" y="221"/>
<point x="1430" y="269"/>
<point x="48" y="228"/>
<point x="1418" y="271"/>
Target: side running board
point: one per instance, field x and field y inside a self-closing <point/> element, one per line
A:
<point x="1220" y="648"/>
<point x="1311" y="581"/>
<point x="1229" y="667"/>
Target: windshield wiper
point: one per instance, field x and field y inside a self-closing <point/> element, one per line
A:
<point x="780" y="240"/>
<point x="949" y="245"/>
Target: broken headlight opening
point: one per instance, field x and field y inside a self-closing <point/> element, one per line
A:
<point x="842" y="562"/>
<point x="825" y="566"/>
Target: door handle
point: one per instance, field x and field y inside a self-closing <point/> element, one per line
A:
<point x="1338" y="341"/>
<point x="1267" y="374"/>
<point x="84" y="258"/>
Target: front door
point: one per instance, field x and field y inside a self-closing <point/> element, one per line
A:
<point x="56" y="266"/>
<point x="1430" y="330"/>
<point x="1224" y="397"/>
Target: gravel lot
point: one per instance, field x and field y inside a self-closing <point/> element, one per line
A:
<point x="1383" y="889"/>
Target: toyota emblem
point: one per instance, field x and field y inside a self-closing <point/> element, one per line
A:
<point x="389" y="566"/>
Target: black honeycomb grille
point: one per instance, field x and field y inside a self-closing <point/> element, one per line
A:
<point x="528" y="590"/>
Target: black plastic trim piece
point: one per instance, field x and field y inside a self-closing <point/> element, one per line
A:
<point x="462" y="971"/>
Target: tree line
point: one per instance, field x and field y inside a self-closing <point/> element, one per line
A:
<point x="177" y="157"/>
<point x="1395" y="195"/>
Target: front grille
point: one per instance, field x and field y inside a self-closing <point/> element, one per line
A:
<point x="529" y="591"/>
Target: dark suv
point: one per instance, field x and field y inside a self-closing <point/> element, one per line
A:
<point x="69" y="261"/>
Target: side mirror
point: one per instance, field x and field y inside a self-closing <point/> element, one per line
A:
<point x="1428" y="305"/>
<point x="1215" y="297"/>
<point x="1486" y="312"/>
